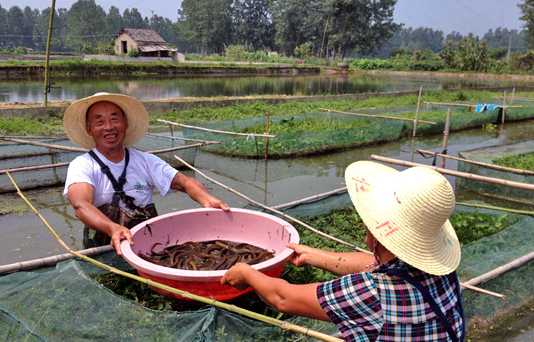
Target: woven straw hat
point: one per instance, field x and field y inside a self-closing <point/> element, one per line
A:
<point x="407" y="212"/>
<point x="75" y="125"/>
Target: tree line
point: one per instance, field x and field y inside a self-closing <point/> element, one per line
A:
<point x="322" y="28"/>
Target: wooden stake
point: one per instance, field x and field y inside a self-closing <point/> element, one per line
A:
<point x="415" y="121"/>
<point x="503" y="113"/>
<point x="475" y="162"/>
<point x="266" y="139"/>
<point x="446" y="132"/>
<point x="376" y="116"/>
<point x="513" y="184"/>
<point x="171" y="128"/>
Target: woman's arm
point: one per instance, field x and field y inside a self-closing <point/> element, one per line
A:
<point x="337" y="263"/>
<point x="284" y="297"/>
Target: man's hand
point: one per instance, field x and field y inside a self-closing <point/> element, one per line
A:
<point x="235" y="276"/>
<point x="213" y="202"/>
<point x="119" y="233"/>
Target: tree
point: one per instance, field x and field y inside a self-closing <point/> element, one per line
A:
<point x="114" y="21"/>
<point x="15" y="29"/>
<point x="253" y="24"/>
<point x="208" y="23"/>
<point x="527" y="9"/>
<point x="86" y="25"/>
<point x="131" y="18"/>
<point x="3" y="28"/>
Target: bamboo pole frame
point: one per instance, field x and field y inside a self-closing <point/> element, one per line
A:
<point x="276" y="211"/>
<point x="47" y="145"/>
<point x="47" y="52"/>
<point x="491" y="180"/>
<point x="229" y="307"/>
<point x="376" y="116"/>
<point x="51" y="260"/>
<point x="50" y="166"/>
<point x="503" y="114"/>
<point x="259" y="135"/>
<point x="417" y="109"/>
<point x="485" y="206"/>
<point x="266" y="139"/>
<point x="501" y="269"/>
<point x="474" y="162"/>
<point x="180" y="138"/>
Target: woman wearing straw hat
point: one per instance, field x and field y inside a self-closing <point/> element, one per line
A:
<point x="110" y="187"/>
<point x="407" y="289"/>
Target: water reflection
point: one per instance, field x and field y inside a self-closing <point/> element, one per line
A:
<point x="161" y="88"/>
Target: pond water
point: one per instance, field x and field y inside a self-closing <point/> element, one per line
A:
<point x="29" y="91"/>
<point x="272" y="182"/>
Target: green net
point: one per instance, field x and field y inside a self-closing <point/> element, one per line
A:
<point x="489" y="155"/>
<point x="320" y="132"/>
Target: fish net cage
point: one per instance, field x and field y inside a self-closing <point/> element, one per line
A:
<point x="490" y="155"/>
<point x="65" y="302"/>
<point x="321" y="132"/>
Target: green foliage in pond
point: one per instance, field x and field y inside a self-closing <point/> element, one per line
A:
<point x="521" y="161"/>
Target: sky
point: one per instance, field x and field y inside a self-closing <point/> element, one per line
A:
<point x="464" y="16"/>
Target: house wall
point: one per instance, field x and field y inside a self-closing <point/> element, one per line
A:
<point x="131" y="44"/>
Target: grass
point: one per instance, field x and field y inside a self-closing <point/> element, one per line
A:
<point x="521" y="161"/>
<point x="28" y="126"/>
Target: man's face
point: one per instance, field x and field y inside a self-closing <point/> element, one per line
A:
<point x="107" y="124"/>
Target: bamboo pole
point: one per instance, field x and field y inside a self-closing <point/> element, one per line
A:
<point x="47" y="53"/>
<point x="51" y="260"/>
<point x="501" y="269"/>
<point x="474" y="162"/>
<point x="278" y="212"/>
<point x="492" y="207"/>
<point x="42" y="144"/>
<point x="311" y="198"/>
<point x="416" y="120"/>
<point x="491" y="180"/>
<point x="512" y="98"/>
<point x="218" y="131"/>
<point x="180" y="138"/>
<point x="266" y="139"/>
<point x="376" y="116"/>
<point x="50" y="166"/>
<point x="229" y="307"/>
<point x="446" y="132"/>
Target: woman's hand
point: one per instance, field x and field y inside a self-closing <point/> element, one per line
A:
<point x="235" y="276"/>
<point x="302" y="254"/>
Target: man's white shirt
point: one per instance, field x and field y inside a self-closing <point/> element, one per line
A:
<point x="145" y="173"/>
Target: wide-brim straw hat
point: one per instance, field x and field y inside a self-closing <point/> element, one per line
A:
<point x="74" y="119"/>
<point x="407" y="212"/>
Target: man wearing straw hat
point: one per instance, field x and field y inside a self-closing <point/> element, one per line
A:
<point x="407" y="289"/>
<point x="110" y="187"/>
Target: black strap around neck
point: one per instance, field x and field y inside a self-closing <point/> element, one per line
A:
<point x="118" y="186"/>
<point x="405" y="275"/>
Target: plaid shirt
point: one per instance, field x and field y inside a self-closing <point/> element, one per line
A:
<point x="372" y="306"/>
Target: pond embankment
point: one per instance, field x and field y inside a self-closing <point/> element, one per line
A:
<point x="78" y="68"/>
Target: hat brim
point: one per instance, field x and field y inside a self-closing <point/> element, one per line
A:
<point x="74" y="119"/>
<point x="436" y="254"/>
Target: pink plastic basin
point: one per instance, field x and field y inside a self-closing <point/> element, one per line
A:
<point x="240" y="225"/>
